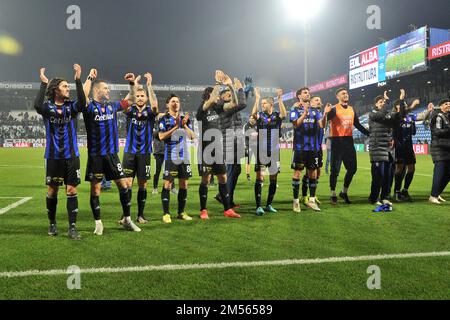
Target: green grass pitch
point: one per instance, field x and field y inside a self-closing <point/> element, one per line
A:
<point x="344" y="231"/>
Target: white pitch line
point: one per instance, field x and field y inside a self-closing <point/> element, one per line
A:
<point x="223" y="265"/>
<point x="15" y="204"/>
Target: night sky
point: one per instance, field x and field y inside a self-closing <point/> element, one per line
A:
<point x="184" y="41"/>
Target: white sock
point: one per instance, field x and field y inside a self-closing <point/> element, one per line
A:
<point x="98" y="222"/>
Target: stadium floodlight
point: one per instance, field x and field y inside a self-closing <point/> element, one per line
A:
<point x="303" y="9"/>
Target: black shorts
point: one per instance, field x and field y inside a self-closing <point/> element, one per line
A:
<point x="214" y="169"/>
<point x="405" y="155"/>
<point x="305" y="159"/>
<point x="61" y="171"/>
<point x="180" y="171"/>
<point x="136" y="165"/>
<point x="320" y="158"/>
<point x="108" y="167"/>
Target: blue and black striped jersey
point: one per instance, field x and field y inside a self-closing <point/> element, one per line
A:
<point x="306" y="137"/>
<point x="268" y="126"/>
<point x="101" y="126"/>
<point x="60" y="125"/>
<point x="139" y="130"/>
<point x="176" y="145"/>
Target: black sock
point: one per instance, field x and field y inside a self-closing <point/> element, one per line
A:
<point x="165" y="198"/>
<point x="51" y="208"/>
<point x="296" y="187"/>
<point x="312" y="187"/>
<point x="203" y="193"/>
<point x="182" y="197"/>
<point x="125" y="201"/>
<point x="272" y="191"/>
<point x="305" y="182"/>
<point x="408" y="179"/>
<point x="225" y="195"/>
<point x="398" y="181"/>
<point x="95" y="207"/>
<point x="258" y="191"/>
<point x="141" y="199"/>
<point x="72" y="208"/>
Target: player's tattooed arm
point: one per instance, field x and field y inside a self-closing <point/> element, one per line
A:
<point x="255" y="109"/>
<point x="130" y="98"/>
<point x="283" y="112"/>
<point x="39" y="101"/>
<point x="81" y="97"/>
<point x="87" y="86"/>
<point x="151" y="93"/>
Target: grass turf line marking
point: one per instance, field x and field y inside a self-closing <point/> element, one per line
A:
<point x="223" y="265"/>
<point x="15" y="204"/>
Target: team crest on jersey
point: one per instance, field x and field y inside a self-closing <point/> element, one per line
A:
<point x="161" y="126"/>
<point x="110" y="108"/>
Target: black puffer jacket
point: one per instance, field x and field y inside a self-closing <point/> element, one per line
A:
<point x="440" y="135"/>
<point x="380" y="125"/>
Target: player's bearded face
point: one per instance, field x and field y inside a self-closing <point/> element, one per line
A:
<point x="266" y="106"/>
<point x="141" y="99"/>
<point x="305" y="96"/>
<point x="103" y="91"/>
<point x="63" y="90"/>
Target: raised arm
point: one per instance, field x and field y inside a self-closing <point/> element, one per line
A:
<point x="151" y="93"/>
<point x="414" y="105"/>
<point x="129" y="100"/>
<point x="256" y="105"/>
<point x="283" y="112"/>
<point x="39" y="101"/>
<point x="87" y="86"/>
<point x="423" y="116"/>
<point x="81" y="97"/>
